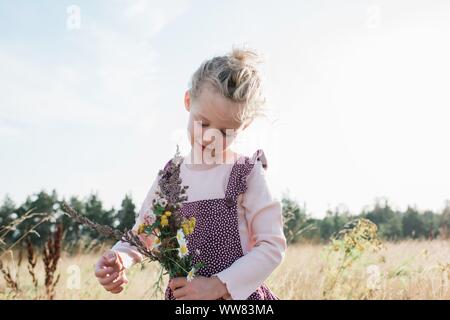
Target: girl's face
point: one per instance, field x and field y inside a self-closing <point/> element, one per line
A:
<point x="212" y="126"/>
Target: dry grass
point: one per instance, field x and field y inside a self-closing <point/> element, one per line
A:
<point x="409" y="270"/>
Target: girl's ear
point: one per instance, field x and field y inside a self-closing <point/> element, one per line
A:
<point x="187" y="100"/>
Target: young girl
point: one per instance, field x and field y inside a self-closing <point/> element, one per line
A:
<point x="239" y="230"/>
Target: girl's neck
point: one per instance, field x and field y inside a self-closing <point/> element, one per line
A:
<point x="205" y="161"/>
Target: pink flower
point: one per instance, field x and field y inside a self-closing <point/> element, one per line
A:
<point x="146" y="240"/>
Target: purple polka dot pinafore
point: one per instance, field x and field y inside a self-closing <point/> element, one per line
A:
<point x="216" y="236"/>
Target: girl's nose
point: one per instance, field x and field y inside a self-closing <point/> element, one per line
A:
<point x="207" y="139"/>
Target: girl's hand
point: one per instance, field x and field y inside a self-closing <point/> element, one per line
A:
<point x="200" y="288"/>
<point x="110" y="272"/>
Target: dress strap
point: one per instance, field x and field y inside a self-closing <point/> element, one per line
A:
<point x="259" y="155"/>
<point x="237" y="182"/>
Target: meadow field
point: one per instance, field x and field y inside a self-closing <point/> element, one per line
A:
<point x="410" y="269"/>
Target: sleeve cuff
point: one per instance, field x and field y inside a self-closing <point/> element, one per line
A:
<point x="235" y="293"/>
<point x="127" y="260"/>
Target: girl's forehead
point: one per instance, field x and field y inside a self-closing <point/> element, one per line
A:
<point x="212" y="106"/>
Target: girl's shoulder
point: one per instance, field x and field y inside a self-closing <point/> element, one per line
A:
<point x="253" y="159"/>
<point x="250" y="175"/>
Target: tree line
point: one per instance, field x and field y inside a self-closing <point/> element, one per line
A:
<point x="299" y="226"/>
<point x="393" y="224"/>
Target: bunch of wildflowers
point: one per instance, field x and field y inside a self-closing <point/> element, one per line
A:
<point x="163" y="223"/>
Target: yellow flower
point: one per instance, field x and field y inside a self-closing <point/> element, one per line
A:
<point x="192" y="222"/>
<point x="167" y="213"/>
<point x="164" y="221"/>
<point x="188" y="226"/>
<point x="141" y="228"/>
<point x="183" y="250"/>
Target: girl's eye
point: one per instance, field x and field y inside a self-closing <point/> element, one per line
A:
<point x="204" y="125"/>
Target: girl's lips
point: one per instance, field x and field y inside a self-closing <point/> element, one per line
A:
<point x="203" y="146"/>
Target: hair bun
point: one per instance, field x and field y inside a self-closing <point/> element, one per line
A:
<point x="235" y="76"/>
<point x="238" y="54"/>
<point x="244" y="55"/>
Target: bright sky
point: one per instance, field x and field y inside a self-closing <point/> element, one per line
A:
<point x="91" y="95"/>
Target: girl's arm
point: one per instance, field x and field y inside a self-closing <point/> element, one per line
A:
<point x="265" y="226"/>
<point x="129" y="254"/>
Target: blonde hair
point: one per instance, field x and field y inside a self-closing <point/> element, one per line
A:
<point x="236" y="77"/>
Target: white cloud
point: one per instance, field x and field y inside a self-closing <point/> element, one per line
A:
<point x="89" y="114"/>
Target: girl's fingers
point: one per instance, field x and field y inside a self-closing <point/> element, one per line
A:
<point x="108" y="279"/>
<point x="117" y="290"/>
<point x="102" y="272"/>
<point x="114" y="285"/>
<point x="111" y="258"/>
<point x="177" y="282"/>
<point x="100" y="264"/>
<point x="179" y="293"/>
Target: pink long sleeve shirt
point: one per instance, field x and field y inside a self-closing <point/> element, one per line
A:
<point x="259" y="218"/>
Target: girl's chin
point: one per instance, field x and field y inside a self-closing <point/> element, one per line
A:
<point x="207" y="152"/>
